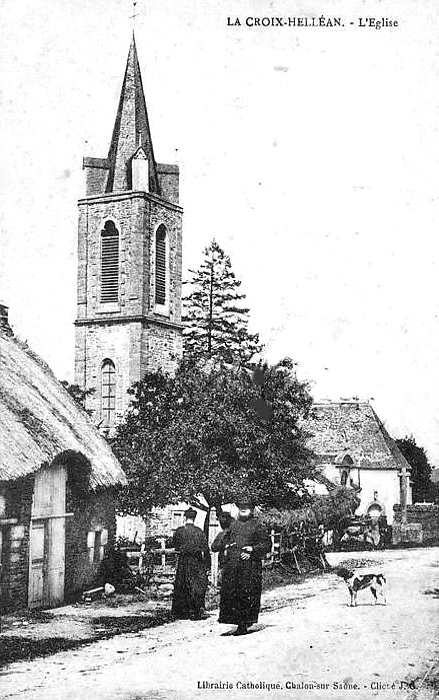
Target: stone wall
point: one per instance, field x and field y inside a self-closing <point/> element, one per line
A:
<point x="14" y="578"/>
<point x="93" y="513"/>
<point x="135" y="333"/>
<point x="427" y="515"/>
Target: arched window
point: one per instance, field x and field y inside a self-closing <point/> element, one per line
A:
<point x="109" y="263"/>
<point x="160" y="265"/>
<point x="108" y="392"/>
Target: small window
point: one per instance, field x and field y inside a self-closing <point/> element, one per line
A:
<point x="108" y="397"/>
<point x="97" y="540"/>
<point x="109" y="263"/>
<point x="177" y="519"/>
<point x="160" y="265"/>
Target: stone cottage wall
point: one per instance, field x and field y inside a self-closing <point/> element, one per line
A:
<point x="92" y="513"/>
<point x="14" y="577"/>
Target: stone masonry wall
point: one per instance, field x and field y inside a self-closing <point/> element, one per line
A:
<point x="118" y="342"/>
<point x="14" y="578"/>
<point x="134" y="333"/>
<point x="161" y="348"/>
<point x="92" y="513"/>
<point x="427" y="514"/>
<point x="171" y="218"/>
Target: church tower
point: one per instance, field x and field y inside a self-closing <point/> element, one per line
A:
<point x="129" y="261"/>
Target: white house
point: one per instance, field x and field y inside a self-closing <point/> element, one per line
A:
<point x="354" y="448"/>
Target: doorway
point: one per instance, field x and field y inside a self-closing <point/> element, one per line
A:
<point x="47" y="538"/>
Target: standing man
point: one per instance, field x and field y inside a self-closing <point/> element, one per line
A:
<point x="246" y="544"/>
<point x="220" y="542"/>
<point x="193" y="563"/>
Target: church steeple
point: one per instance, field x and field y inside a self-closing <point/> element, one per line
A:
<point x="131" y="131"/>
<point x="129" y="261"/>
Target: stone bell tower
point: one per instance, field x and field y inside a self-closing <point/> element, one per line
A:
<point x="129" y="260"/>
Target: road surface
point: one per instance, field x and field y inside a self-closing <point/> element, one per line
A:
<point x="309" y="644"/>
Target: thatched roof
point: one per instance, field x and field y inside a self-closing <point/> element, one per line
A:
<point x="323" y="510"/>
<point x="39" y="420"/>
<point x="352" y="428"/>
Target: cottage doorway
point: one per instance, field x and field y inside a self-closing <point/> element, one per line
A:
<point x="47" y="538"/>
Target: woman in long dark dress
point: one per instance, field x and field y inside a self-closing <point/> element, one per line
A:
<point x="244" y="548"/>
<point x="190" y="583"/>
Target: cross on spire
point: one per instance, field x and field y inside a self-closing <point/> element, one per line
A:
<point x="136" y="14"/>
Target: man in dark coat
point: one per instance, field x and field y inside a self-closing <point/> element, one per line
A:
<point x="191" y="577"/>
<point x="220" y="541"/>
<point x="246" y="544"/>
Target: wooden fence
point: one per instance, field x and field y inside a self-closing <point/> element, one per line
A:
<point x="164" y="556"/>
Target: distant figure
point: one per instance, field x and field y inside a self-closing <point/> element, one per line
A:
<point x="191" y="577"/>
<point x="246" y="544"/>
<point x="220" y="542"/>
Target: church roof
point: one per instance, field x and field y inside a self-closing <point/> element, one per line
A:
<point x="352" y="429"/>
<point x="39" y="421"/>
<point x="131" y="130"/>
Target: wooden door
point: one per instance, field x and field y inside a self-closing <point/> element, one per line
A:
<point x="47" y="538"/>
<point x="36" y="568"/>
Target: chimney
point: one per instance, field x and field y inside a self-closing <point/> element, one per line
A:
<point x="5" y="328"/>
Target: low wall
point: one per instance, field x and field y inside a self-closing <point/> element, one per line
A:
<point x="427" y="515"/>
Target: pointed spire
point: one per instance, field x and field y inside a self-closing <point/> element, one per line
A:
<point x="131" y="130"/>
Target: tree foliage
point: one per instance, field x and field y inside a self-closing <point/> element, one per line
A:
<point x="215" y="315"/>
<point x="422" y="489"/>
<point x="78" y="394"/>
<point x="213" y="430"/>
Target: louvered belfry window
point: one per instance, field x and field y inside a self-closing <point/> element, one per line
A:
<point x="160" y="265"/>
<point x="108" y="404"/>
<point x="109" y="263"/>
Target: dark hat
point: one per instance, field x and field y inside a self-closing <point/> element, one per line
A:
<point x="225" y="518"/>
<point x="244" y="501"/>
<point x="190" y="513"/>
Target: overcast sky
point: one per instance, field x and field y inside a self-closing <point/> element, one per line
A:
<point x="310" y="154"/>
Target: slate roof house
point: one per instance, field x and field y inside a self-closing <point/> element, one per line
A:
<point x="57" y="481"/>
<point x="354" y="449"/>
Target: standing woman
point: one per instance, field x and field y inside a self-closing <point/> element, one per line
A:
<point x="193" y="563"/>
<point x="247" y="544"/>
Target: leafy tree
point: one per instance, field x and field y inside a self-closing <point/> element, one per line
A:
<point x="213" y="430"/>
<point x="78" y="394"/>
<point x="422" y="489"/>
<point x="215" y="317"/>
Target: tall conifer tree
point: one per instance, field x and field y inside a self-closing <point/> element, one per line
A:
<point x="216" y="318"/>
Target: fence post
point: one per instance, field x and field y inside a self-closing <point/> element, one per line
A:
<point x="162" y="544"/>
<point x="214" y="568"/>
<point x="213" y="530"/>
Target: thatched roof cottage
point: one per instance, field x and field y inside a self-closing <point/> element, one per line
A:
<point x="57" y="482"/>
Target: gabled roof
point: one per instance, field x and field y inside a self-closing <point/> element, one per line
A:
<point x="354" y="429"/>
<point x="131" y="130"/>
<point x="39" y="420"/>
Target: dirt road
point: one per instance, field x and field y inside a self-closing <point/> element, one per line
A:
<point x="309" y="644"/>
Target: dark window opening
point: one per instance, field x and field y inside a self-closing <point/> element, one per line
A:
<point x="109" y="263"/>
<point x="160" y="265"/>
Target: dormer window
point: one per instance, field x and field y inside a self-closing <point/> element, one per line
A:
<point x="140" y="171"/>
<point x="109" y="263"/>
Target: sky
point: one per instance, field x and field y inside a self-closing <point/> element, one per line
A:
<point x="311" y="154"/>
